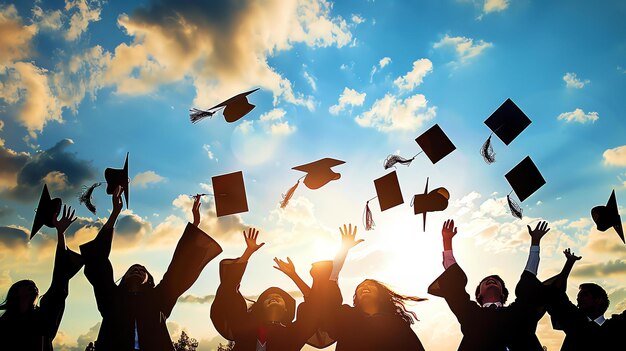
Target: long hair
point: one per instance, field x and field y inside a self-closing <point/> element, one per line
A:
<point x="391" y="302"/>
<point x="12" y="303"/>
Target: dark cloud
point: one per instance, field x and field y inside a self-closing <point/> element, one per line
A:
<point x="129" y="229"/>
<point x="81" y="223"/>
<point x="63" y="171"/>
<point x="13" y="237"/>
<point x="11" y="163"/>
<point x="616" y="267"/>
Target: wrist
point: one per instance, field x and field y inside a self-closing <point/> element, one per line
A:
<point x="447" y="245"/>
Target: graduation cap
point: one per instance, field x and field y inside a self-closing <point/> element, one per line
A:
<point x="114" y="177"/>
<point x="525" y="179"/>
<point x="434" y="143"/>
<point x="435" y="200"/>
<point x="230" y="194"/>
<point x="319" y="173"/>
<point x="389" y="195"/>
<point x="234" y="108"/>
<point x="507" y="122"/>
<point x="45" y="212"/>
<point x="290" y="302"/>
<point x="607" y="216"/>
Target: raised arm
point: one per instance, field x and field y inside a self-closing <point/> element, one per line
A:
<point x="251" y="244"/>
<point x="195" y="249"/>
<point x="98" y="268"/>
<point x="290" y="270"/>
<point x="348" y="241"/>
<point x="66" y="264"/>
<point x="448" y="231"/>
<point x="532" y="265"/>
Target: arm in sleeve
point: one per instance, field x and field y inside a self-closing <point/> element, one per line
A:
<point x="98" y="268"/>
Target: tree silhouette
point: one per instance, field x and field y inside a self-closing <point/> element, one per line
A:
<point x="185" y="343"/>
<point x="227" y="347"/>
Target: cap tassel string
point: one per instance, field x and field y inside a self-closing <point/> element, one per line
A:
<point x="85" y="197"/>
<point x="486" y="151"/>
<point x="367" y="216"/>
<point x="391" y="160"/>
<point x="196" y="115"/>
<point x="289" y="194"/>
<point x="516" y="209"/>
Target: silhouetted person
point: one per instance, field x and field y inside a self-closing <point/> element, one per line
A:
<point x="135" y="311"/>
<point x="487" y="324"/>
<point x="584" y="325"/>
<point x="269" y="323"/>
<point x="378" y="320"/>
<point x="90" y="347"/>
<point x="26" y="326"/>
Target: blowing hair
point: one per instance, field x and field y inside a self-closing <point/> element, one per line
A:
<point x="391" y="302"/>
<point x="11" y="303"/>
<point x="505" y="291"/>
<point x="598" y="293"/>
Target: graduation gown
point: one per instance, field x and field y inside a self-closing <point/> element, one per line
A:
<point x="493" y="328"/>
<point x="146" y="312"/>
<point x="233" y="320"/>
<point x="36" y="329"/>
<point x="583" y="334"/>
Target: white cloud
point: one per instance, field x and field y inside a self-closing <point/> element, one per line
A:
<point x="83" y="12"/>
<point x="384" y="62"/>
<point x="50" y="19"/>
<point x="273" y="123"/>
<point x="349" y="97"/>
<point x="310" y="79"/>
<point x="209" y="152"/>
<point x="395" y="114"/>
<point x="464" y="47"/>
<point x="495" y="5"/>
<point x="357" y="19"/>
<point x="615" y="156"/>
<point x="148" y="177"/>
<point x="579" y="116"/>
<point x="416" y="76"/>
<point x="572" y="81"/>
<point x="15" y="37"/>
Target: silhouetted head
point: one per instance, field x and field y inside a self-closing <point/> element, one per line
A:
<point x="592" y="300"/>
<point x="374" y="295"/>
<point x="274" y="305"/>
<point x="137" y="277"/>
<point x="491" y="289"/>
<point x="22" y="297"/>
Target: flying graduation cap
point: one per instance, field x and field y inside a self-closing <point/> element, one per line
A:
<point x="230" y="194"/>
<point x="435" y="200"/>
<point x="506" y="122"/>
<point x="389" y="195"/>
<point x="433" y="142"/>
<point x="46" y="210"/>
<point x="114" y="177"/>
<point x="318" y="174"/>
<point x="525" y="179"/>
<point x="234" y="108"/>
<point x="607" y="216"/>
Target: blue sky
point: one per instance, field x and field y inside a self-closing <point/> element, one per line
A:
<point x="84" y="82"/>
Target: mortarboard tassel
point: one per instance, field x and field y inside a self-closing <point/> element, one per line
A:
<point x="289" y="194"/>
<point x="85" y="197"/>
<point x="196" y="115"/>
<point x="367" y="216"/>
<point x="515" y="208"/>
<point x="391" y="160"/>
<point x="486" y="151"/>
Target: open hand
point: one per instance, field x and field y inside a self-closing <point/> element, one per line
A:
<point x="250" y="237"/>
<point x="540" y="230"/>
<point x="116" y="199"/>
<point x="570" y="256"/>
<point x="66" y="220"/>
<point x="286" y="267"/>
<point x="348" y="239"/>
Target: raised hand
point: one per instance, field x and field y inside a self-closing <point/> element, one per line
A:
<point x="540" y="230"/>
<point x="286" y="267"/>
<point x="448" y="231"/>
<point x="348" y="237"/>
<point x="570" y="256"/>
<point x="61" y="225"/>
<point x="251" y="244"/>
<point x="195" y="209"/>
<point x="116" y="199"/>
